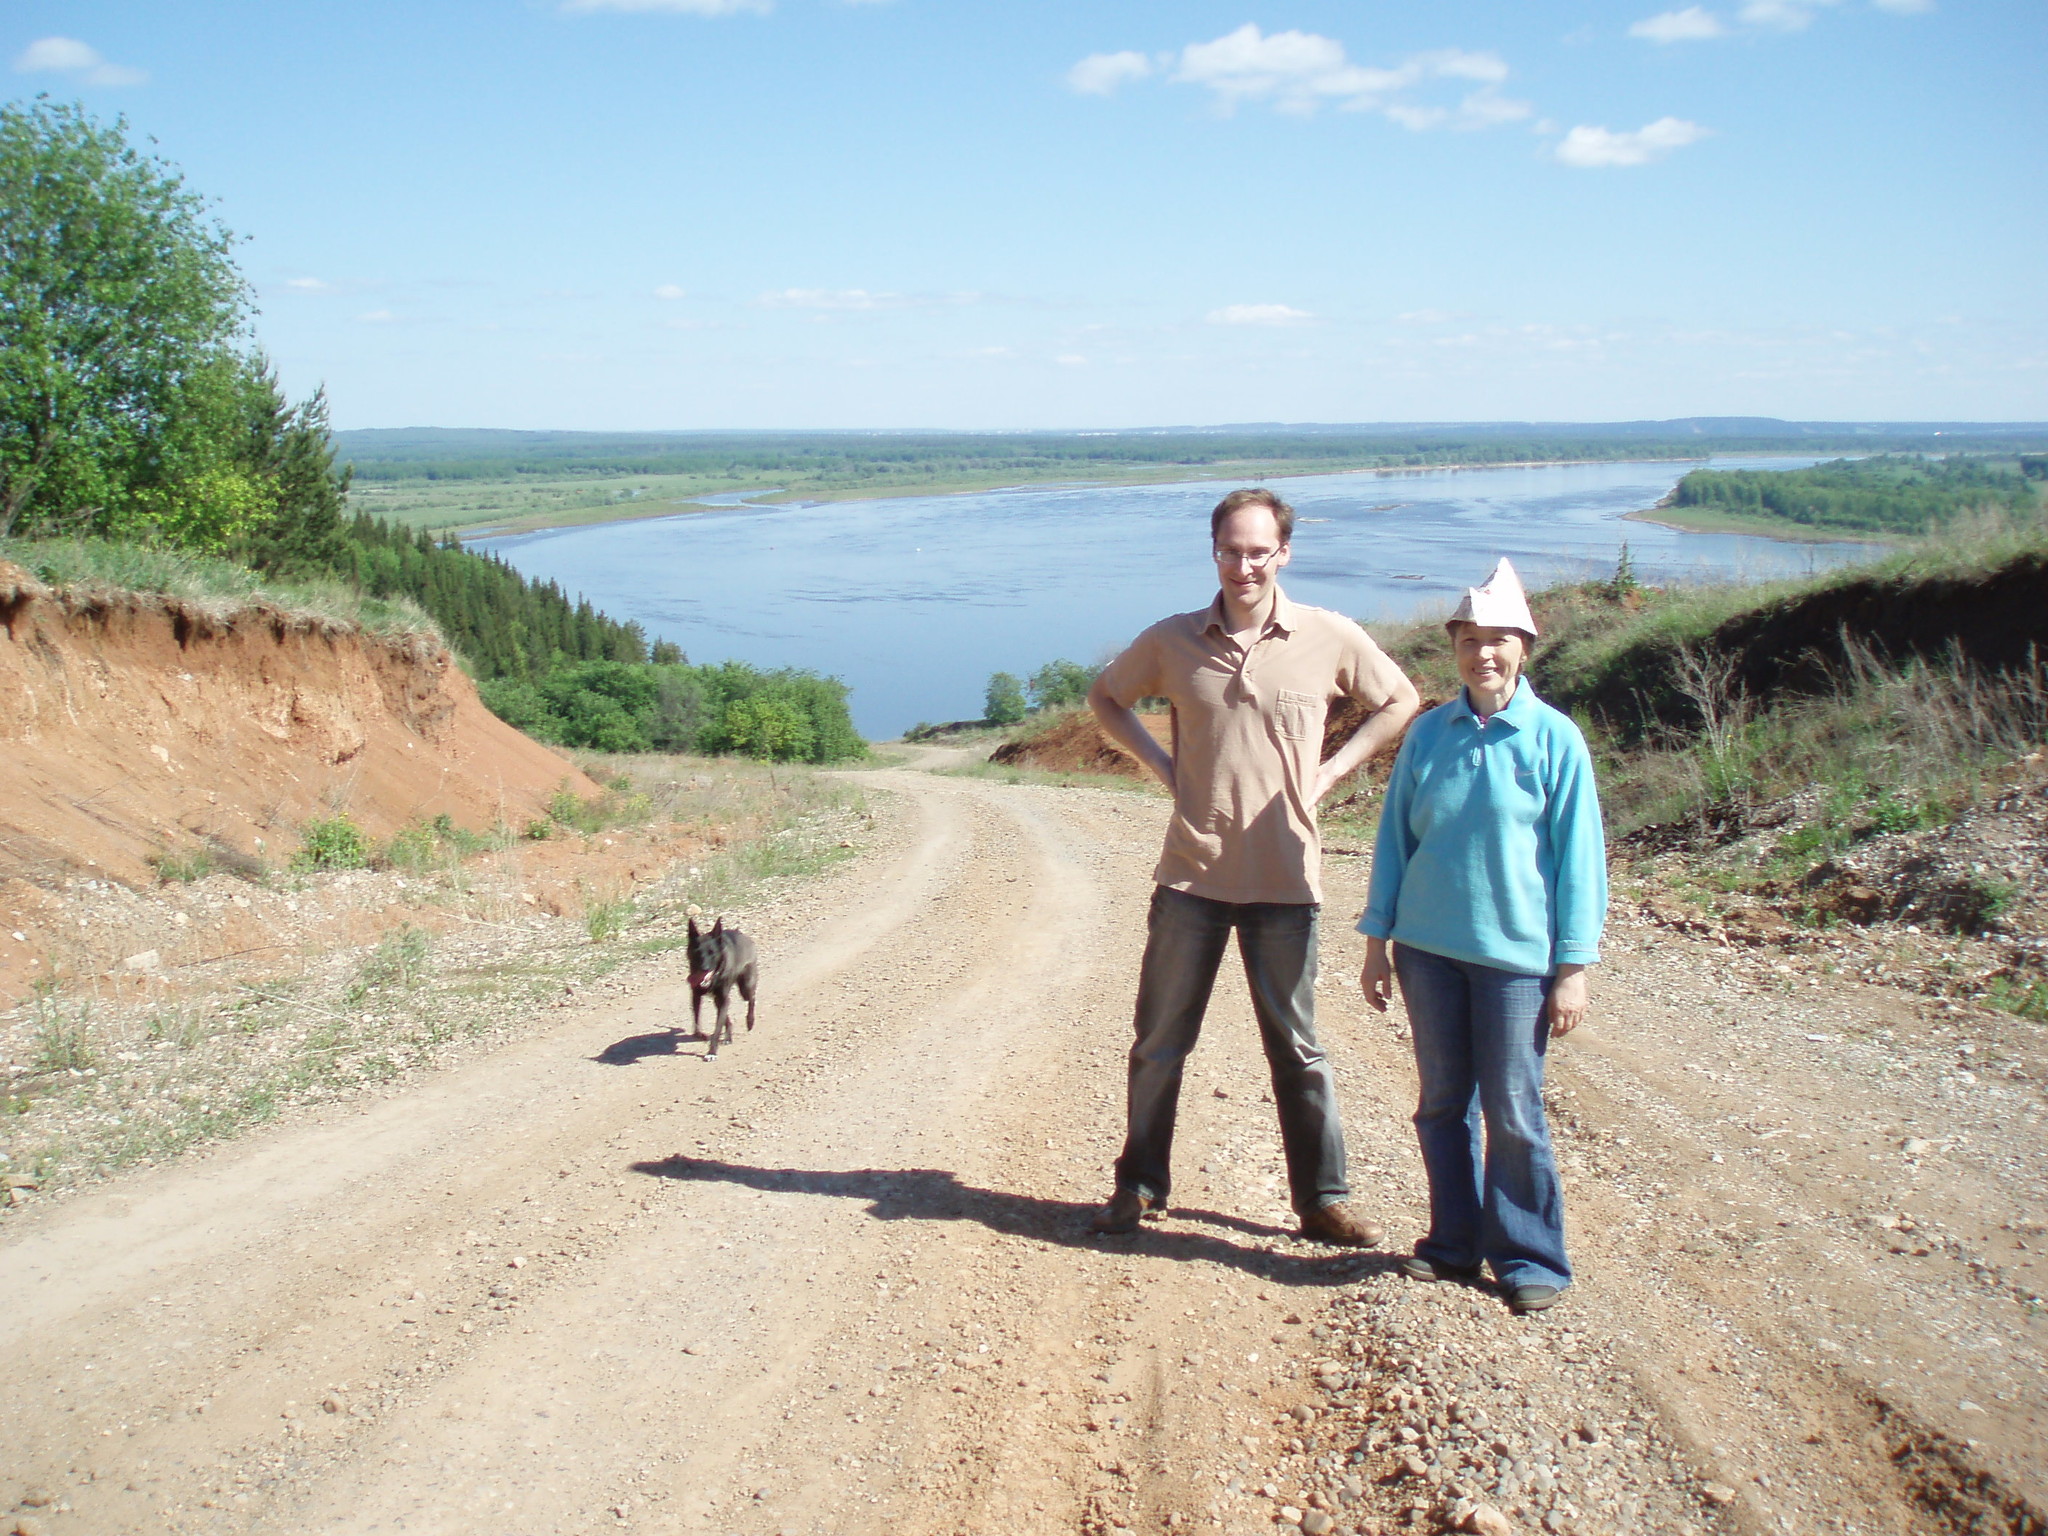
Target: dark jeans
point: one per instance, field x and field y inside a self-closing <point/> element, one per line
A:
<point x="1277" y="942"/>
<point x="1480" y="1042"/>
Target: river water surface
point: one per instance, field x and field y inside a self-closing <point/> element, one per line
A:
<point x="914" y="601"/>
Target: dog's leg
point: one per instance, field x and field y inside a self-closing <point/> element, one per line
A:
<point x="696" y="1013"/>
<point x="750" y="981"/>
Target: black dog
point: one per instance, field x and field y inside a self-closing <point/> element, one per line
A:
<point x="720" y="959"/>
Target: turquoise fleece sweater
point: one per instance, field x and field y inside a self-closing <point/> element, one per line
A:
<point x="1490" y="848"/>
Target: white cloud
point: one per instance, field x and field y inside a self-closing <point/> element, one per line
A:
<point x="669" y="291"/>
<point x="861" y="298"/>
<point x="308" y="285"/>
<point x="1258" y="314"/>
<point x="1071" y="360"/>
<point x="1690" y="25"/>
<point x="1696" y="23"/>
<point x="1592" y="148"/>
<point x="1784" y="15"/>
<point x="830" y="298"/>
<point x="376" y="317"/>
<point x="68" y="56"/>
<point x="1101" y="73"/>
<point x="1427" y="317"/>
<point x="1299" y="72"/>
<point x="674" y="7"/>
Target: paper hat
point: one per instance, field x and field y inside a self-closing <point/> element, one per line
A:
<point x="1499" y="604"/>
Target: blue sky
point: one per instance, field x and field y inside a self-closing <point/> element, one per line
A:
<point x="816" y="213"/>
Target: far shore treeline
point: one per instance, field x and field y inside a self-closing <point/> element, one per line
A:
<point x="1887" y="493"/>
<point x="136" y="410"/>
<point x="825" y="463"/>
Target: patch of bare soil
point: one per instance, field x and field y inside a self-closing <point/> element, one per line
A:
<point x="1071" y="742"/>
<point x="839" y="1280"/>
<point x="136" y="727"/>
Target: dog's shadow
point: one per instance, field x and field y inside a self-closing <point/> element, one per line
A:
<point x="933" y="1194"/>
<point x="662" y="1042"/>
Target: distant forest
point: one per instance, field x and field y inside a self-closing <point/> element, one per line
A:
<point x="856" y="458"/>
<point x="1890" y="493"/>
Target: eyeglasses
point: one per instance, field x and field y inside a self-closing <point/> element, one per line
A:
<point x="1257" y="559"/>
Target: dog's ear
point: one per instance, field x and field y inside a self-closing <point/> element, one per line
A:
<point x="719" y="926"/>
<point x="693" y="928"/>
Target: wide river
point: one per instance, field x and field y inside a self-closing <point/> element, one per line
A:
<point x="915" y="601"/>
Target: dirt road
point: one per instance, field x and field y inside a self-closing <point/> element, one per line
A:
<point x="838" y="1280"/>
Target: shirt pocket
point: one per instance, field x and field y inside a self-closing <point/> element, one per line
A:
<point x="1297" y="716"/>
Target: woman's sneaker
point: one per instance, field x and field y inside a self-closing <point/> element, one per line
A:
<point x="1416" y="1267"/>
<point x="1532" y="1298"/>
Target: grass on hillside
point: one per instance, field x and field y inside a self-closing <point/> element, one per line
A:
<point x="220" y="587"/>
<point x="1888" y="745"/>
<point x="112" y="1082"/>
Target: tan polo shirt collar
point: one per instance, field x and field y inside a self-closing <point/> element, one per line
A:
<point x="1282" y="617"/>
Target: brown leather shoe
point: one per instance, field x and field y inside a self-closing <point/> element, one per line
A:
<point x="1339" y="1225"/>
<point x="1125" y="1209"/>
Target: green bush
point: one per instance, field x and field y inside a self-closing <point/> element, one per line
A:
<point x="767" y="727"/>
<point x="1058" y="684"/>
<point x="1003" y="703"/>
<point x="336" y="843"/>
<point x="614" y="706"/>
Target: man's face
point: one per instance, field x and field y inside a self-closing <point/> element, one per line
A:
<point x="1249" y="554"/>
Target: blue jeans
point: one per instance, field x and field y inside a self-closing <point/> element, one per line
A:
<point x="1183" y="948"/>
<point x="1480" y="1042"/>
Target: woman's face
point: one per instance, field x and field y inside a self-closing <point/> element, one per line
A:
<point x="1489" y="659"/>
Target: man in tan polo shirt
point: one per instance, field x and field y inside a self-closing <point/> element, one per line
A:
<point x="1249" y="678"/>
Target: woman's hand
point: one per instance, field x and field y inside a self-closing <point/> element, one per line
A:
<point x="1567" y="999"/>
<point x="1376" y="981"/>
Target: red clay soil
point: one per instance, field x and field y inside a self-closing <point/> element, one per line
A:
<point x="134" y="726"/>
<point x="1071" y="742"/>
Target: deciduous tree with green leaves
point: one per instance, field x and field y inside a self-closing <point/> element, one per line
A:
<point x="123" y="320"/>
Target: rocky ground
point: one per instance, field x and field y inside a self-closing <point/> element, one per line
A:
<point x="840" y="1281"/>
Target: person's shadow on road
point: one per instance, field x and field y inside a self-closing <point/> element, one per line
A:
<point x="932" y="1194"/>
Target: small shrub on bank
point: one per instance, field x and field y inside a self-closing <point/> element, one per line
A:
<point x="187" y="864"/>
<point x="399" y="960"/>
<point x="63" y="1043"/>
<point x="606" y="920"/>
<point x="337" y="843"/>
<point x="436" y="843"/>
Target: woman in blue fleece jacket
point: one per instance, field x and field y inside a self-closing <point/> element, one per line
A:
<point x="1489" y="879"/>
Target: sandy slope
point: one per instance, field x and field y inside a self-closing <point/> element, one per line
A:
<point x="837" y="1281"/>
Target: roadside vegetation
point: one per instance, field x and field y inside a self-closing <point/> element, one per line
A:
<point x="94" y="1076"/>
